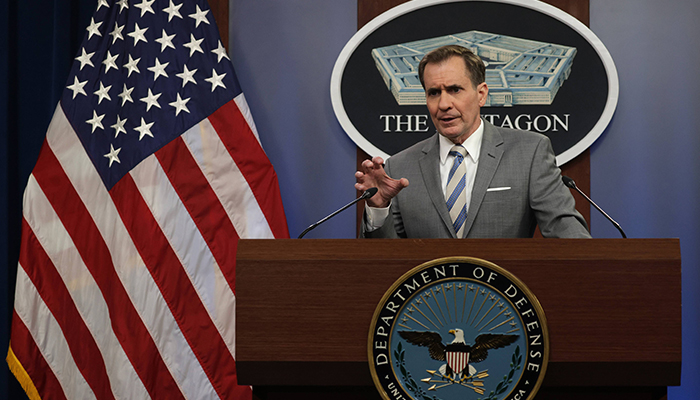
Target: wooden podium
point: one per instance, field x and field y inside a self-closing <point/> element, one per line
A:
<point x="613" y="308"/>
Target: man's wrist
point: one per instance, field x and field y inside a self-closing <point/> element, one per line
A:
<point x="375" y="216"/>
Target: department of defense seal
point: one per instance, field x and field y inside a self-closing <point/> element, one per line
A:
<point x="458" y="328"/>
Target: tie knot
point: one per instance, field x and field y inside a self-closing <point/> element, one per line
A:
<point x="458" y="151"/>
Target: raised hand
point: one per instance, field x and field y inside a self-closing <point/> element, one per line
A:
<point x="371" y="174"/>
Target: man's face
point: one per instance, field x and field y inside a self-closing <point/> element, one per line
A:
<point x="453" y="102"/>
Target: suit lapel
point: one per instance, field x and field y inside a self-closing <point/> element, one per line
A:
<point x="430" y="170"/>
<point x="489" y="158"/>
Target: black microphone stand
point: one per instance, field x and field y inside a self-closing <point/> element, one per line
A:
<point x="571" y="184"/>
<point x="366" y="195"/>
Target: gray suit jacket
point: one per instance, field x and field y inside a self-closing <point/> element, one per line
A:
<point x="521" y="161"/>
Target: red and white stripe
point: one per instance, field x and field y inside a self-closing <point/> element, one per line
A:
<point x="130" y="293"/>
<point x="457" y="360"/>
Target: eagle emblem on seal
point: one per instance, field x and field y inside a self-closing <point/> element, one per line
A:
<point x="458" y="355"/>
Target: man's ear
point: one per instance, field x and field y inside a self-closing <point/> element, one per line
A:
<point x="483" y="91"/>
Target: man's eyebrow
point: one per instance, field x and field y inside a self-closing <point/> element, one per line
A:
<point x="449" y="87"/>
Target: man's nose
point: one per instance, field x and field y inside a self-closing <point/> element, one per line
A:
<point x="445" y="102"/>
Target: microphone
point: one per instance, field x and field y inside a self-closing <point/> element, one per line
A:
<point x="571" y="184"/>
<point x="366" y="195"/>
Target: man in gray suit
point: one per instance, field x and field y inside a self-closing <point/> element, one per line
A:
<point x="471" y="179"/>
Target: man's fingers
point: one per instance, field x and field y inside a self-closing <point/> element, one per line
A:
<point x="372" y="174"/>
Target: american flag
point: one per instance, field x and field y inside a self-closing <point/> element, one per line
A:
<point x="151" y="171"/>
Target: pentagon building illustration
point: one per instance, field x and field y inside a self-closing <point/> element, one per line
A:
<point x="518" y="71"/>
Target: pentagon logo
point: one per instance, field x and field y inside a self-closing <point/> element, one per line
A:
<point x="518" y="71"/>
<point x="458" y="328"/>
<point x="546" y="72"/>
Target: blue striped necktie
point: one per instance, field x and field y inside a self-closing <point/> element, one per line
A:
<point x="456" y="183"/>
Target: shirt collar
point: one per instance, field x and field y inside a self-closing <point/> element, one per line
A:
<point x="472" y="144"/>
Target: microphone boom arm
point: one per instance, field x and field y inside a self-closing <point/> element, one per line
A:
<point x="571" y="184"/>
<point x="366" y="195"/>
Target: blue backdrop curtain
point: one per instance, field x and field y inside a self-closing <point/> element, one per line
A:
<point x="37" y="47"/>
